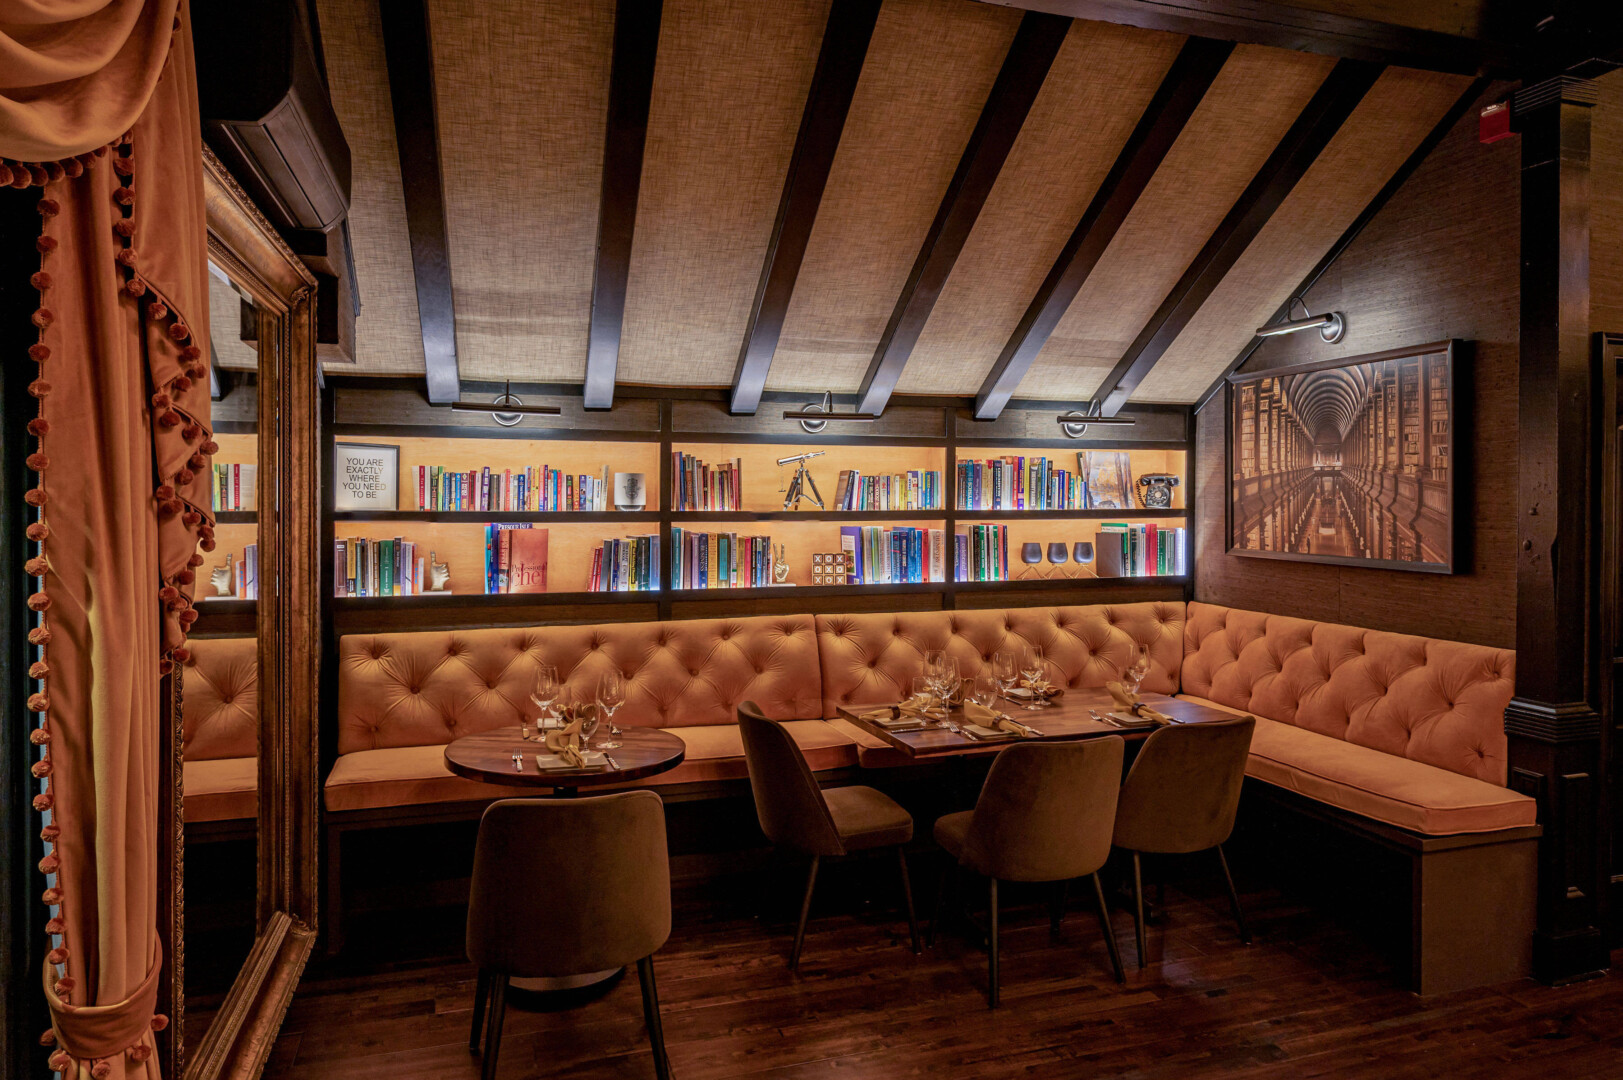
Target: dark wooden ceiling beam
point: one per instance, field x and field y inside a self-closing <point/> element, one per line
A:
<point x="1180" y="93"/>
<point x="1268" y="22"/>
<point x="839" y="64"/>
<point x="1025" y="67"/>
<point x="1454" y="115"/>
<point x="631" y="87"/>
<point x="1318" y="123"/>
<point x="410" y="61"/>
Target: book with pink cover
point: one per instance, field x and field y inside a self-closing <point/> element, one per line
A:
<point x="527" y="561"/>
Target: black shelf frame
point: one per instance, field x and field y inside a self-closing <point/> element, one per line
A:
<point x="351" y="614"/>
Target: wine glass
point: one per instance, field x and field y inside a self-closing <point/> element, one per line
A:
<point x="544" y="693"/>
<point x="1134" y="676"/>
<point x="923" y="686"/>
<point x="588" y="725"/>
<point x="1006" y="670"/>
<point x="983" y="691"/>
<point x="947" y="680"/>
<point x="1034" y="667"/>
<point x="611" y="694"/>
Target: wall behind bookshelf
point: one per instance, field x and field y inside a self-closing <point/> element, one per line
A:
<point x="641" y="432"/>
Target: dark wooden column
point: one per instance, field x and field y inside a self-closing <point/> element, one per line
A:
<point x="1553" y="721"/>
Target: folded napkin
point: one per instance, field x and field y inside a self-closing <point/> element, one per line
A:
<point x="987" y="723"/>
<point x="564" y="741"/>
<point x="1128" y="702"/>
<point x="920" y="706"/>
<point x="1041" y="688"/>
<point x="575" y="759"/>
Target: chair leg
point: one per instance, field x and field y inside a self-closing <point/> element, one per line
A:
<point x="805" y="909"/>
<point x="940" y="902"/>
<point x="907" y="898"/>
<point x="991" y="947"/>
<point x="480" y="993"/>
<point x="493" y="1037"/>
<point x="650" y="1015"/>
<point x="1108" y="930"/>
<point x="1138" y="905"/>
<point x="1056" y="908"/>
<point x="1234" y="896"/>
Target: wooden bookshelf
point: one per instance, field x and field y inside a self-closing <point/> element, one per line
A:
<point x="909" y="437"/>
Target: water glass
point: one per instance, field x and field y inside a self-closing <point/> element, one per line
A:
<point x="1134" y="676"/>
<point x="1034" y="668"/>
<point x="983" y="691"/>
<point x="611" y="694"/>
<point x="544" y="693"/>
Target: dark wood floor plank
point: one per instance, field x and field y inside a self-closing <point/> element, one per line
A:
<point x="1309" y="999"/>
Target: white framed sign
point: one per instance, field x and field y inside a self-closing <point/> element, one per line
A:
<point x="366" y="476"/>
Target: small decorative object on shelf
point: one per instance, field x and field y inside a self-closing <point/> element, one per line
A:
<point x="224" y="577"/>
<point x="366" y="476"/>
<point x="1155" y="490"/>
<point x="439" y="576"/>
<point x="1031" y="553"/>
<point x="780" y="566"/>
<point x="1109" y="478"/>
<point x="796" y="489"/>
<point x="831" y="568"/>
<point x="630" y="491"/>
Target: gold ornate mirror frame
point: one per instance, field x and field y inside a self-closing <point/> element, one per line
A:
<point x="239" y="1040"/>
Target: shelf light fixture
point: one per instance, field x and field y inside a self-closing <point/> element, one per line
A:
<point x="508" y="410"/>
<point x="815" y="417"/>
<point x="1332" y="325"/>
<point x="1075" y="424"/>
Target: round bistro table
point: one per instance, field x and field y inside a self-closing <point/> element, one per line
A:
<point x="488" y="757"/>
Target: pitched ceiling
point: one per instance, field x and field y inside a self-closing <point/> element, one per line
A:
<point x="522" y="88"/>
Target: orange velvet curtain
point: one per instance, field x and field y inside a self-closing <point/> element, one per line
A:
<point x="98" y="111"/>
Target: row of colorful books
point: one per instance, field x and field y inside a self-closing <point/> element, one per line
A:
<point x="720" y="560"/>
<point x="981" y="553"/>
<point x="917" y="489"/>
<point x="1123" y="550"/>
<point x="626" y="564"/>
<point x="543" y="489"/>
<point x="706" y="487"/>
<point x="893" y="556"/>
<point x="1020" y="483"/>
<point x="231" y="487"/>
<point x="389" y="566"/>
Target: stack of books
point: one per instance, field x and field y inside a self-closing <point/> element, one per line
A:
<point x="913" y="490"/>
<point x="706" y="487"/>
<point x="720" y="560"/>
<point x="231" y="487"/>
<point x="1019" y="483"/>
<point x="626" y="564"/>
<point x="1123" y="550"/>
<point x="895" y="556"/>
<point x="499" y="491"/>
<point x="515" y="559"/>
<point x="982" y="553"/>
<point x="386" y="567"/>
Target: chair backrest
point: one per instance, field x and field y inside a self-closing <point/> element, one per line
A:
<point x="1183" y="790"/>
<point x="788" y="800"/>
<point x="1046" y="811"/>
<point x="569" y="886"/>
<point x="220" y="698"/>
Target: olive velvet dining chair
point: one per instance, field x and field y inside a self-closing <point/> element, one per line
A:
<point x="1044" y="815"/>
<point x="567" y="887"/>
<point x="1180" y="797"/>
<point x="797" y="813"/>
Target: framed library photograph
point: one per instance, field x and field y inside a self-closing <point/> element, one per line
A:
<point x="366" y="476"/>
<point x="1351" y="461"/>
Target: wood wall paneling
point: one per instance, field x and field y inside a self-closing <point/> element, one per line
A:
<point x="1439" y="260"/>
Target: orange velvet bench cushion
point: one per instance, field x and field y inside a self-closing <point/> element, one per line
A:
<point x="1408" y="794"/>
<point x="871" y="659"/>
<point x="220" y="729"/>
<point x="413" y="692"/>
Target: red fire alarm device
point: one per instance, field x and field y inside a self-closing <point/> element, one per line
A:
<point x="1493" y="123"/>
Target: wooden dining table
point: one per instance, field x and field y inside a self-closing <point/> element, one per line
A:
<point x="1069" y="716"/>
<point x="488" y="757"/>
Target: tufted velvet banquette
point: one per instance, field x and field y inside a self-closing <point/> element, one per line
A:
<point x="220" y="728"/>
<point x="1402" y="729"/>
<point x="402" y="697"/>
